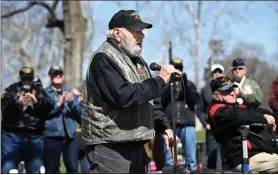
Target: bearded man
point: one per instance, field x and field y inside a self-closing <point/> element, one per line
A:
<point x="121" y="107"/>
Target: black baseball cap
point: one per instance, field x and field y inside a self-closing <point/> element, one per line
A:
<point x="177" y="63"/>
<point x="26" y="73"/>
<point x="222" y="84"/>
<point x="238" y="62"/>
<point x="55" y="69"/>
<point x="128" y="19"/>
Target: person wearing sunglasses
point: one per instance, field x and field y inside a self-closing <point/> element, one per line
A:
<point x="204" y="101"/>
<point x="248" y="91"/>
<point x="60" y="127"/>
<point x="24" y="107"/>
<point x="226" y="116"/>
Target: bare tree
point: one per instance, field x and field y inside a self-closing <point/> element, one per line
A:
<point x="193" y="24"/>
<point x="24" y="43"/>
<point x="73" y="28"/>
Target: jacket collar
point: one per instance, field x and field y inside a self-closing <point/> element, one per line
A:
<point x="51" y="89"/>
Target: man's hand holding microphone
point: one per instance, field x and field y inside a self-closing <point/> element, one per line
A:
<point x="165" y="71"/>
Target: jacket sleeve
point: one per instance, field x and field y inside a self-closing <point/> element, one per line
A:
<point x="161" y="121"/>
<point x="226" y="116"/>
<point x="257" y="96"/>
<point x="165" y="95"/>
<point x="74" y="109"/>
<point x="273" y="96"/>
<point x="192" y="94"/>
<point x="116" y="89"/>
<point x="45" y="103"/>
<point x="201" y="109"/>
<point x="9" y="101"/>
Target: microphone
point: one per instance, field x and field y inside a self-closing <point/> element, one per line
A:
<point x="155" y="67"/>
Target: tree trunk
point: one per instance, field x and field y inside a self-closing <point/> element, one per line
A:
<point x="74" y="36"/>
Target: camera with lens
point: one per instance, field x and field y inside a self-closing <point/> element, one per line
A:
<point x="25" y="89"/>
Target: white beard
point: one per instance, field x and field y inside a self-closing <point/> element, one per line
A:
<point x="131" y="50"/>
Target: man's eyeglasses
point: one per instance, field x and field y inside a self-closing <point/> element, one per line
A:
<point x="27" y="79"/>
<point x="237" y="68"/>
<point x="56" y="74"/>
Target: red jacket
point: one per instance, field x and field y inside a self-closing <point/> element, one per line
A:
<point x="273" y="96"/>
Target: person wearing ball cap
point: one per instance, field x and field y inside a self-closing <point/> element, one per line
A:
<point x="24" y="108"/>
<point x="226" y="116"/>
<point x="60" y="127"/>
<point x="205" y="100"/>
<point x="186" y="97"/>
<point x="248" y="91"/>
<point x="121" y="105"/>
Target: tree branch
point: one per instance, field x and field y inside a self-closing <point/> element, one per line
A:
<point x="30" y="4"/>
<point x="52" y="20"/>
<point x="54" y="5"/>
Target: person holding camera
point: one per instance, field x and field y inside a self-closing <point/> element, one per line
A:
<point x="185" y="99"/>
<point x="60" y="127"/>
<point x="24" y="108"/>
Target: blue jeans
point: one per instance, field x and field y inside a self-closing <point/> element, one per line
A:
<point x="188" y="140"/>
<point x="53" y="148"/>
<point x="15" y="148"/>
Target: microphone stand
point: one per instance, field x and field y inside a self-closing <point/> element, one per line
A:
<point x="174" y="146"/>
<point x="177" y="169"/>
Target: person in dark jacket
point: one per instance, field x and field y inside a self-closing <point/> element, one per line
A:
<point x="24" y="108"/>
<point x="60" y="126"/>
<point x="205" y="99"/>
<point x="185" y="97"/>
<point x="121" y="105"/>
<point x="225" y="117"/>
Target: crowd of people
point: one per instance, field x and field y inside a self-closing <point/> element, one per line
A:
<point x="124" y="107"/>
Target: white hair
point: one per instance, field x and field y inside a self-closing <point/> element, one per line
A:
<point x="109" y="33"/>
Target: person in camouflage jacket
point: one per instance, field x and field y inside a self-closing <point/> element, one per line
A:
<point x="248" y="90"/>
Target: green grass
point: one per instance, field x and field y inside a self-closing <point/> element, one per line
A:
<point x="62" y="167"/>
<point x="201" y="135"/>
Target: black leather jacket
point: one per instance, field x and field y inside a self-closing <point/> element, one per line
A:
<point x="184" y="95"/>
<point x="27" y="119"/>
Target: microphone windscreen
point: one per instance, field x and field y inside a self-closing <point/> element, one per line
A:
<point x="155" y="67"/>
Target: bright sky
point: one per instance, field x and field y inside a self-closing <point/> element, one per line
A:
<point x="261" y="27"/>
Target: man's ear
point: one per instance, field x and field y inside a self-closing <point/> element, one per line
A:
<point x="246" y="70"/>
<point x="116" y="34"/>
<point x="215" y="96"/>
<point x="49" y="78"/>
